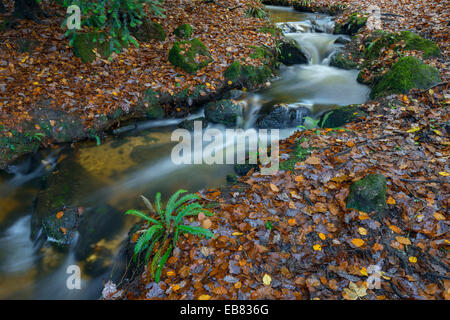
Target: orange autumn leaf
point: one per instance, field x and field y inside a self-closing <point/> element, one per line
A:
<point x="390" y="200"/>
<point x="403" y="240"/>
<point x="292" y="222"/>
<point x="63" y="230"/>
<point x="357" y="242"/>
<point x="59" y="215"/>
<point x="395" y="229"/>
<point x="313" y="160"/>
<point x="299" y="179"/>
<point x="273" y="187"/>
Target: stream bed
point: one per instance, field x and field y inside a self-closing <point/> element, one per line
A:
<point x="108" y="178"/>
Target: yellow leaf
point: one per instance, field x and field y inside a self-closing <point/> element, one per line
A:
<point x="403" y="240"/>
<point x="364" y="272"/>
<point x="59" y="215"/>
<point x="413" y="129"/>
<point x="357" y="242"/>
<point x="362" y="231"/>
<point x="445" y="174"/>
<point x="237" y="234"/>
<point x="267" y="279"/>
<point x="176" y="287"/>
<point x="390" y="200"/>
<point x="437" y="132"/>
<point x="204" y="297"/>
<point x="412" y="259"/>
<point x="438" y="216"/>
<point x="170" y="273"/>
<point x="230" y="82"/>
<point x="317" y="247"/>
<point x="292" y="222"/>
<point x="237" y="285"/>
<point x="273" y="187"/>
<point x="322" y="236"/>
<point x="299" y="179"/>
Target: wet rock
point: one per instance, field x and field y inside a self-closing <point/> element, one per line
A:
<point x="98" y="262"/>
<point x="150" y="105"/>
<point x="340" y="60"/>
<point x="248" y="75"/>
<point x="340" y="116"/>
<point x="243" y="169"/>
<point x="282" y="117"/>
<point x="148" y="30"/>
<point x="189" y="124"/>
<point x="406" y="74"/>
<point x="186" y="54"/>
<point x="234" y="95"/>
<point x="290" y="53"/>
<point x="342" y="40"/>
<point x="224" y="112"/>
<point x="61" y="229"/>
<point x="368" y="194"/>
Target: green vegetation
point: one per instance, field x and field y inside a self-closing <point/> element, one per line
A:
<point x="355" y="22"/>
<point x="297" y="155"/>
<point x="368" y="194"/>
<point x="340" y="116"/>
<point x="406" y="74"/>
<point x="256" y="12"/>
<point x="184" y="54"/>
<point x="184" y="31"/>
<point x="162" y="235"/>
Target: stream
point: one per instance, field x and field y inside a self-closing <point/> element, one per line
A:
<point x="112" y="175"/>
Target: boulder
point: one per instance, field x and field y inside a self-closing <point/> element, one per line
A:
<point x="188" y="124"/>
<point x="282" y="117"/>
<point x="340" y="60"/>
<point x="190" y="56"/>
<point x="290" y="53"/>
<point x="368" y="194"/>
<point x="340" y="116"/>
<point x="150" y="105"/>
<point x="355" y="22"/>
<point x="406" y="74"/>
<point x="148" y="30"/>
<point x="224" y="112"/>
<point x="184" y="31"/>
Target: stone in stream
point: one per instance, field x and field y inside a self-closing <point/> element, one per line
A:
<point x="283" y="116"/>
<point x="368" y="194"/>
<point x="291" y="53"/>
<point x="407" y="73"/>
<point x="340" y="60"/>
<point x="188" y="124"/>
<point x="340" y="116"/>
<point x="224" y="112"/>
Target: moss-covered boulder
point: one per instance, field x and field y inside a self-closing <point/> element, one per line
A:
<point x="84" y="45"/>
<point x="355" y="22"/>
<point x="282" y="116"/>
<point x="184" y="31"/>
<point x="190" y="55"/>
<point x="368" y="194"/>
<point x="247" y="75"/>
<point x="340" y="116"/>
<point x="224" y="112"/>
<point x="290" y="53"/>
<point x="406" y="40"/>
<point x="188" y="124"/>
<point x="148" y="30"/>
<point x="340" y="60"/>
<point x="150" y="106"/>
<point x="406" y="74"/>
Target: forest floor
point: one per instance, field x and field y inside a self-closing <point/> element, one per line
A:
<point x="291" y="236"/>
<point x="38" y="70"/>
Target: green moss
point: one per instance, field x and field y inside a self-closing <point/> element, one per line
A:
<point x="84" y="45"/>
<point x="355" y="22"/>
<point x="340" y="116"/>
<point x="150" y="105"/>
<point x="261" y="53"/>
<point x="233" y="72"/>
<point x="148" y="30"/>
<point x="297" y="155"/>
<point x="368" y="194"/>
<point x="184" y="31"/>
<point x="184" y="55"/>
<point x="339" y="60"/>
<point x="406" y="39"/>
<point x="271" y="30"/>
<point x="406" y="74"/>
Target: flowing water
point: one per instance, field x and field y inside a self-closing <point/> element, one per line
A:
<point x="114" y="174"/>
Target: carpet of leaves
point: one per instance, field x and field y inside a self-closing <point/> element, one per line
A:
<point x="50" y="71"/>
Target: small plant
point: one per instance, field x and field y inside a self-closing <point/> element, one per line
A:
<point x="163" y="233"/>
<point x="310" y="123"/>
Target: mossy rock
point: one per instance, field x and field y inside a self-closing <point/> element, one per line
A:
<point x="247" y="74"/>
<point x="184" y="31"/>
<point x="148" y="30"/>
<point x="224" y="112"/>
<point x="150" y="105"/>
<point x="188" y="124"/>
<point x="297" y="155"/>
<point x="406" y="74"/>
<point x="243" y="169"/>
<point x="339" y="60"/>
<point x="411" y="41"/>
<point x="340" y="116"/>
<point x="368" y="194"/>
<point x="233" y="72"/>
<point x="185" y="54"/>
<point x="291" y="53"/>
<point x="353" y="24"/>
<point x="84" y="45"/>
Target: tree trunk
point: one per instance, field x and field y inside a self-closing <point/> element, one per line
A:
<point x="28" y="9"/>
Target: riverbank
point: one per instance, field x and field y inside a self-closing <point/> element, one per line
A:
<point x="310" y="231"/>
<point x="48" y="95"/>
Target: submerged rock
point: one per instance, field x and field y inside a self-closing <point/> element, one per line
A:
<point x="224" y="112"/>
<point x="340" y="116"/>
<point x="368" y="194"/>
<point x="186" y="54"/>
<point x="282" y="117"/>
<point x="406" y="74"/>
<point x="291" y="53"/>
